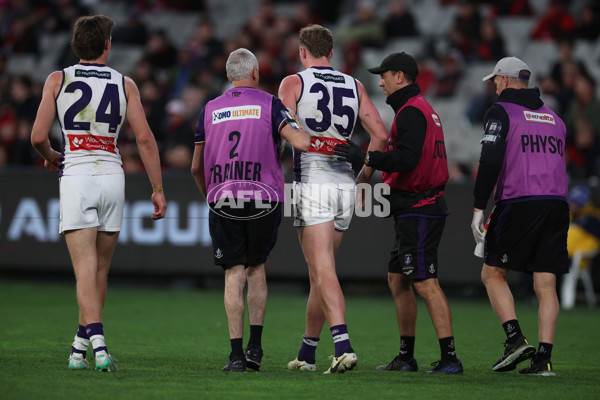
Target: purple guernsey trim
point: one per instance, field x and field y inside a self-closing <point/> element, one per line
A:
<point x="301" y="91"/>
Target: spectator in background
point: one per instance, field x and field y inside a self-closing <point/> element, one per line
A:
<point x="203" y="43"/>
<point x="512" y="8"/>
<point x="450" y="75"/>
<point x="21" y="39"/>
<point x="159" y="51"/>
<point x="555" y="22"/>
<point x="491" y="44"/>
<point x="464" y="35"/>
<point x="565" y="46"/>
<point x="480" y="103"/>
<point x="549" y="91"/>
<point x="427" y="77"/>
<point x="133" y="31"/>
<point x="366" y="27"/>
<point x="154" y="102"/>
<point x="584" y="230"/>
<point x="62" y="14"/>
<point x="586" y="105"/>
<point x="399" y="21"/>
<point x="583" y="156"/>
<point x="588" y="27"/>
<point x="566" y="91"/>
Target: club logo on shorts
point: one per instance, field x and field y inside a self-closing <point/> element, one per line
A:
<point x="407" y="259"/>
<point x="218" y="253"/>
<point x="226" y="198"/>
<point x="504" y="258"/>
<point x="432" y="269"/>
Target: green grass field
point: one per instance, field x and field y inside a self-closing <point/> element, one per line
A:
<point x="173" y="343"/>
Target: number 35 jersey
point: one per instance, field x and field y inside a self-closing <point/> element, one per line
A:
<point x="91" y="107"/>
<point x="327" y="109"/>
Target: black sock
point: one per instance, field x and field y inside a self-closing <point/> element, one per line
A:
<point x="255" y="336"/>
<point x="512" y="330"/>
<point x="407" y="347"/>
<point x="447" y="349"/>
<point x="544" y="352"/>
<point x="237" y="349"/>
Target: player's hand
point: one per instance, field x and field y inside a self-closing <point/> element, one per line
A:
<point x="160" y="205"/>
<point x="351" y="153"/>
<point x="477" y="226"/>
<point x="53" y="165"/>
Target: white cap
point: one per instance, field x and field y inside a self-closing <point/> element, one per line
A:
<point x="511" y="67"/>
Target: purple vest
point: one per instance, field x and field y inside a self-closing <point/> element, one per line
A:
<point x="534" y="164"/>
<point x="241" y="158"/>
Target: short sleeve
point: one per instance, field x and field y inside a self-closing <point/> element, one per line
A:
<point x="199" y="135"/>
<point x="277" y="117"/>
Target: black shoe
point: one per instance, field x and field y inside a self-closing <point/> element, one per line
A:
<point x="443" y="367"/>
<point x="514" y="353"/>
<point x="541" y="368"/>
<point x="398" y="364"/>
<point x="235" y="364"/>
<point x="254" y="356"/>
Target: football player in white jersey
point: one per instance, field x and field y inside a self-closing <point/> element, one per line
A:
<point x="327" y="103"/>
<point x="91" y="101"/>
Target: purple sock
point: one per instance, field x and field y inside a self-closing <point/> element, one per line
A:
<point x="341" y="340"/>
<point x="308" y="349"/>
<point x="95" y="332"/>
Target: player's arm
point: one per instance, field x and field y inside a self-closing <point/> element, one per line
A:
<point x="493" y="150"/>
<point x="289" y="92"/>
<point x="147" y="146"/>
<point x="198" y="168"/>
<point x="43" y="122"/>
<point x="371" y="121"/>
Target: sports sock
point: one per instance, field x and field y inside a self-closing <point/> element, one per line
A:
<point x="95" y="332"/>
<point x="237" y="348"/>
<point x="512" y="330"/>
<point x="80" y="342"/>
<point x="255" y="336"/>
<point x="447" y="349"/>
<point x="544" y="352"/>
<point x="341" y="339"/>
<point x="407" y="347"/>
<point x="308" y="349"/>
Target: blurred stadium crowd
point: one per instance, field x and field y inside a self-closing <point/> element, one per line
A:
<point x="175" y="50"/>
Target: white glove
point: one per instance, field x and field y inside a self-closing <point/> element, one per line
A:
<point x="477" y="226"/>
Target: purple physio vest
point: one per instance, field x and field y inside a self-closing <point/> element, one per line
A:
<point x="534" y="163"/>
<point x="241" y="158"/>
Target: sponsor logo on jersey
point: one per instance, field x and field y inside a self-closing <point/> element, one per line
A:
<point x="89" y="142"/>
<point x="329" y="77"/>
<point x="543" y="118"/>
<point x="436" y="119"/>
<point x="235" y="113"/>
<point x="323" y="145"/>
<point x="92" y="73"/>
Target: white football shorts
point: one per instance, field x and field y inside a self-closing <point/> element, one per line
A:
<point x="87" y="201"/>
<point x="315" y="203"/>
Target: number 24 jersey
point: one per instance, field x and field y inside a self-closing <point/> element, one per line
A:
<point x="91" y="107"/>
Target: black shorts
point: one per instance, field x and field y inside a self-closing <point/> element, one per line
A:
<point x="415" y="253"/>
<point x="529" y="236"/>
<point x="243" y="241"/>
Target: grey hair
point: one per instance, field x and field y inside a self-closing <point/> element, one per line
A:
<point x="240" y="64"/>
